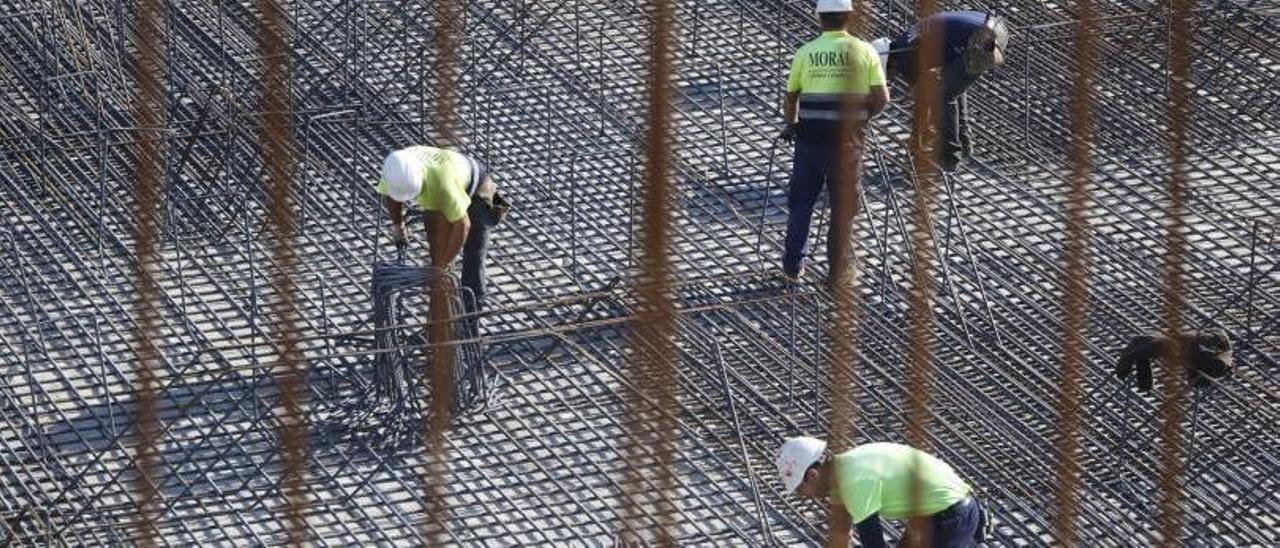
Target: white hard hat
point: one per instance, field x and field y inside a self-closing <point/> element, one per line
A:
<point x="881" y="46"/>
<point x="795" y="458"/>
<point x="402" y="172"/>
<point x="834" y="6"/>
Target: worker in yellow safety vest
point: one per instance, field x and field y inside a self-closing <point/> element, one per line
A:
<point x="460" y="202"/>
<point x="835" y="85"/>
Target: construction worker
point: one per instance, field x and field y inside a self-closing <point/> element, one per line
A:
<point x="835" y="85"/>
<point x="972" y="43"/>
<point x="460" y="203"/>
<point x="873" y="481"/>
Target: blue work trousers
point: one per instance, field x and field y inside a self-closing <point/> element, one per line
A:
<point x="961" y="526"/>
<point x="814" y="167"/>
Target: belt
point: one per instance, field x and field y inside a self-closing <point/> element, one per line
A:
<point x="955" y="508"/>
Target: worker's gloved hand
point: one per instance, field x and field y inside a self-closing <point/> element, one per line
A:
<point x="1208" y="354"/>
<point x="500" y="208"/>
<point x="788" y="133"/>
<point x="1137" y="355"/>
<point x="398" y="236"/>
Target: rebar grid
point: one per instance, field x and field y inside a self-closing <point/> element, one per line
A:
<point x="551" y="97"/>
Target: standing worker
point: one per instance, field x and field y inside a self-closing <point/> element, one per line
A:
<point x="873" y="481"/>
<point x="972" y="43"/>
<point x="836" y="84"/>
<point x="460" y="203"/>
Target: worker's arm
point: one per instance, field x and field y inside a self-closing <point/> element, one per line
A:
<point x="876" y="100"/>
<point x="791" y="102"/>
<point x="395" y="211"/>
<point x="446" y="237"/>
<point x="870" y="533"/>
<point x="789" y="116"/>
<point x="791" y="108"/>
<point x="877" y="83"/>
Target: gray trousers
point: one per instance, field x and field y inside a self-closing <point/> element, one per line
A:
<point x="474" y="253"/>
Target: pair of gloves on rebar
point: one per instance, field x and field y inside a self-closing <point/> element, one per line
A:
<point x="1204" y="354"/>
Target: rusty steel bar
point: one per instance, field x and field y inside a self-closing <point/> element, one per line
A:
<point x="652" y="426"/>
<point x="445" y="41"/>
<point x="843" y="277"/>
<point x="148" y="107"/>
<point x="924" y="137"/>
<point x="1169" y="516"/>
<point x="439" y="360"/>
<point x="278" y="162"/>
<point x="1075" y="295"/>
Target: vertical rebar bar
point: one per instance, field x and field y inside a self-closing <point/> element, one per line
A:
<point x="440" y="358"/>
<point x="842" y="278"/>
<point x="1075" y="283"/>
<point x="1169" y="516"/>
<point x="147" y="114"/>
<point x="650" y="417"/>
<point x="276" y="143"/>
<point x="925" y="118"/>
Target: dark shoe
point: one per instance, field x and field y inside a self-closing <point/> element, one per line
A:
<point x="792" y="279"/>
<point x="951" y="163"/>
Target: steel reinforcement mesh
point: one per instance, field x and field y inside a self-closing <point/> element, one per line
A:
<point x="552" y="97"/>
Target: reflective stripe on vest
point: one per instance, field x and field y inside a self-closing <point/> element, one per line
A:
<point x="826" y="106"/>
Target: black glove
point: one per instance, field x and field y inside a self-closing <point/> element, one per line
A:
<point x="1208" y="354"/>
<point x="788" y="133"/>
<point x="1138" y="355"/>
<point x="398" y="236"/>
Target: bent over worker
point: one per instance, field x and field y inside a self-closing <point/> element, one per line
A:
<point x="835" y="85"/>
<point x="972" y="43"/>
<point x="460" y="203"/>
<point x="873" y="481"/>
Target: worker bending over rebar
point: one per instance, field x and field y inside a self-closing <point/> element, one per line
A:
<point x="972" y="43"/>
<point x="459" y="200"/>
<point x="835" y="85"/>
<point x="874" y="481"/>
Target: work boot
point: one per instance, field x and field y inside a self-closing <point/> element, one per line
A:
<point x="951" y="161"/>
<point x="792" y="279"/>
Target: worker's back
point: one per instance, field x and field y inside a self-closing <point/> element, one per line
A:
<point x="827" y="70"/>
<point x="955" y="28"/>
<point x="876" y="479"/>
<point x="446" y="181"/>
